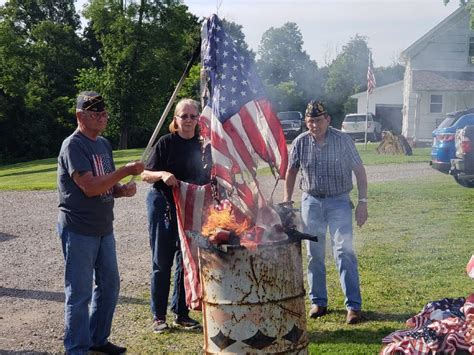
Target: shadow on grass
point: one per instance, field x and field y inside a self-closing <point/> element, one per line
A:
<point x="352" y="336"/>
<point x="55" y="296"/>
<point x="37" y="171"/>
<point x="5" y="237"/>
<point x="376" y="316"/>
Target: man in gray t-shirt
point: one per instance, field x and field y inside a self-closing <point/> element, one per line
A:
<point x="87" y="186"/>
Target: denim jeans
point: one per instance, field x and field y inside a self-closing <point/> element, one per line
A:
<point x="336" y="213"/>
<point x="165" y="248"/>
<point x="88" y="259"/>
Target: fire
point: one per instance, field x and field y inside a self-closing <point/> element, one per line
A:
<point x="222" y="219"/>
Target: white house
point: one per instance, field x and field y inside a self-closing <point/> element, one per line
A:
<point x="439" y="75"/>
<point x="386" y="102"/>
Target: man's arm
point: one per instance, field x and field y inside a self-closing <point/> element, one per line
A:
<point x="361" y="209"/>
<point x="151" y="177"/>
<point x="290" y="179"/>
<point x="96" y="185"/>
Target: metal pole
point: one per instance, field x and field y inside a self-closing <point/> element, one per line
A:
<point x="366" y="119"/>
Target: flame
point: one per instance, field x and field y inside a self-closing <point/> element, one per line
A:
<point x="222" y="217"/>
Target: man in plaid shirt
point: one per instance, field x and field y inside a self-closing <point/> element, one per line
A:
<point x="326" y="158"/>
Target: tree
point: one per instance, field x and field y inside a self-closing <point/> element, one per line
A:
<point x="40" y="55"/>
<point x="347" y="75"/>
<point x="144" y="48"/>
<point x="283" y="64"/>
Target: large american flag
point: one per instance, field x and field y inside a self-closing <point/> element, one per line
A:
<point x="243" y="131"/>
<point x="239" y="122"/>
<point x="371" y="83"/>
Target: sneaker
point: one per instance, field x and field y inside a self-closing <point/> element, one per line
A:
<point x="160" y="326"/>
<point x="184" y="321"/>
<point x="108" y="348"/>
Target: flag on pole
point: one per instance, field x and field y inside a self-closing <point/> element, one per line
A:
<point x="371" y="83"/>
<point x="243" y="131"/>
<point x="238" y="121"/>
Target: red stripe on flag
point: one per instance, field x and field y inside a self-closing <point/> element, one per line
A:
<point x="240" y="146"/>
<point x="189" y="207"/>
<point x="255" y="136"/>
<point x="277" y="133"/>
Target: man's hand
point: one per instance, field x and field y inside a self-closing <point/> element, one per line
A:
<point x="361" y="213"/>
<point x="127" y="190"/>
<point x="135" y="167"/>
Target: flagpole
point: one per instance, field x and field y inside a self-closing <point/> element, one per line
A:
<point x="367" y="106"/>
<point x="366" y="118"/>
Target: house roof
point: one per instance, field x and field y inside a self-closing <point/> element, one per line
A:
<point x="423" y="41"/>
<point x="379" y="88"/>
<point x="443" y="80"/>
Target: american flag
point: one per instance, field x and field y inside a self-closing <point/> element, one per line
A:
<point x="102" y="166"/>
<point x="191" y="202"/>
<point x="243" y="130"/>
<point x="371" y="83"/>
<point x="239" y="123"/>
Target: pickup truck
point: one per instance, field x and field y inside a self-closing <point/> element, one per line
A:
<point x="462" y="167"/>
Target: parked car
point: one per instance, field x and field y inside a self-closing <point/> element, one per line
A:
<point x="354" y="126"/>
<point x="292" y="123"/>
<point x="443" y="148"/>
<point x="462" y="166"/>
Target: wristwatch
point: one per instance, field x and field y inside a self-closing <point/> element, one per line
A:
<point x="363" y="200"/>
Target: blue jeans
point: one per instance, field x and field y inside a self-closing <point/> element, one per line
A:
<point x="88" y="259"/>
<point x="165" y="248"/>
<point x="336" y="213"/>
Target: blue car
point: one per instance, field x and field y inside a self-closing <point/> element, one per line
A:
<point x="443" y="149"/>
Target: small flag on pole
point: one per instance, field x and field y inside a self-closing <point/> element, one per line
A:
<point x="371" y="83"/>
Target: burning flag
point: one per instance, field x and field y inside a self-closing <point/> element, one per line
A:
<point x="239" y="123"/>
<point x="243" y="130"/>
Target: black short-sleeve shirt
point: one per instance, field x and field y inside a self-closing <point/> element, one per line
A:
<point x="184" y="158"/>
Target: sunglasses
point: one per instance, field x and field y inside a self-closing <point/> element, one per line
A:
<point x="186" y="116"/>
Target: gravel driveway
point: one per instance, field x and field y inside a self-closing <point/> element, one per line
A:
<point x="31" y="265"/>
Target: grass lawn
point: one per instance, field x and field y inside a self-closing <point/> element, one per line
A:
<point x="41" y="174"/>
<point x="413" y="249"/>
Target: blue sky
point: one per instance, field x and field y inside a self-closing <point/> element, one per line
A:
<point x="326" y="25"/>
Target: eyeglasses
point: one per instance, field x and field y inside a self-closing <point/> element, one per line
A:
<point x="96" y="115"/>
<point x="186" y="116"/>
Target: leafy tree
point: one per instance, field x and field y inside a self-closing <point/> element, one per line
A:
<point x="144" y="48"/>
<point x="347" y="75"/>
<point x="390" y="74"/>
<point x="40" y="55"/>
<point x="286" y="67"/>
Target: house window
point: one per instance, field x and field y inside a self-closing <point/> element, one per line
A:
<point x="436" y="103"/>
<point x="471" y="50"/>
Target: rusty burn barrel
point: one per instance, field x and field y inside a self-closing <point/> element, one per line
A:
<point x="253" y="301"/>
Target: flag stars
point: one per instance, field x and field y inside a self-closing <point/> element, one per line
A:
<point x="233" y="102"/>
<point x="225" y="54"/>
<point x="224" y="65"/>
<point x="244" y="82"/>
<point x="226" y="43"/>
<point x="233" y="78"/>
<point x="222" y="99"/>
<point x="233" y="90"/>
<point x="235" y="67"/>
<point x="243" y="93"/>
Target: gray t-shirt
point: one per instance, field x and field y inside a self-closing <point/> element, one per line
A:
<point x="91" y="216"/>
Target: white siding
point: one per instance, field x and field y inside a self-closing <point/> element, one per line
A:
<point x="391" y="94"/>
<point x="448" y="49"/>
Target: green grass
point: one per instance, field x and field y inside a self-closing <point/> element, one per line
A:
<point x="41" y="174"/>
<point x="413" y="249"/>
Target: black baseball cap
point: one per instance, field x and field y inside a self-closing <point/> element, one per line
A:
<point x="90" y="101"/>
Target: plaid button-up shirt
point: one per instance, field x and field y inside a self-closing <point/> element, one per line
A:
<point x="327" y="169"/>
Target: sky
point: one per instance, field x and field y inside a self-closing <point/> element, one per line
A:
<point x="327" y="25"/>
